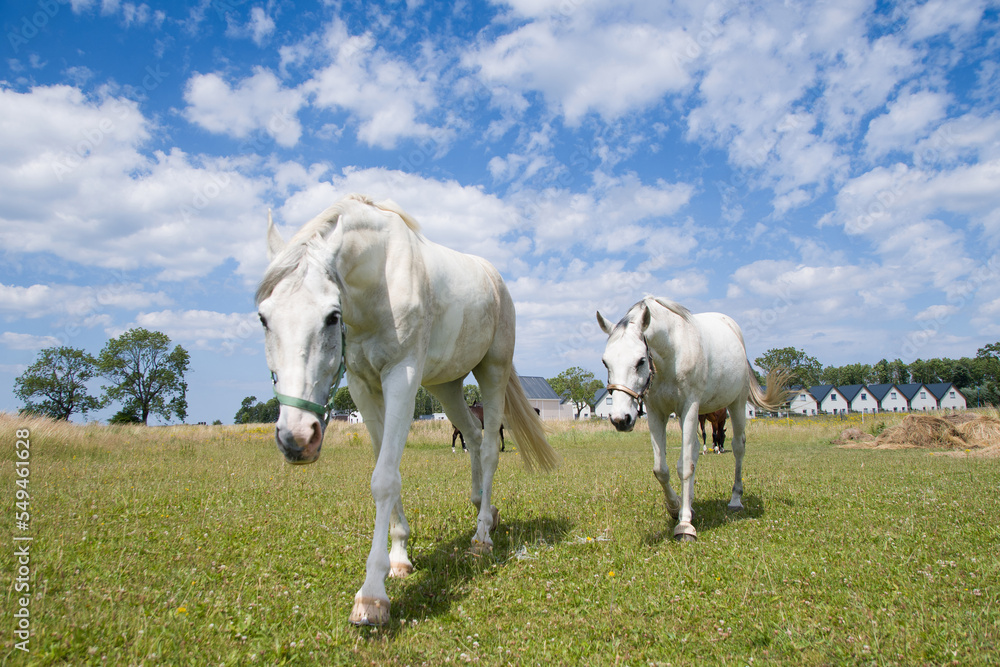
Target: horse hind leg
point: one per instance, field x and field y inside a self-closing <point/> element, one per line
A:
<point x="737" y="413"/>
<point x="453" y="400"/>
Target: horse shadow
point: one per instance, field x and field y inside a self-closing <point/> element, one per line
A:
<point x="709" y="514"/>
<point x="441" y="578"/>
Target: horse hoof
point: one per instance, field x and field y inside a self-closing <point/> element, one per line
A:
<point x="400" y="570"/>
<point x="480" y="548"/>
<point x="738" y="507"/>
<point x="685" y="532"/>
<point x="369" y="611"/>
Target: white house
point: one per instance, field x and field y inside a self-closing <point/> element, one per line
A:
<point x="542" y="397"/>
<point x="602" y="403"/>
<point x="919" y="397"/>
<point x="859" y="398"/>
<point x="830" y="399"/>
<point x="803" y="403"/>
<point x="889" y="398"/>
<point x="948" y="396"/>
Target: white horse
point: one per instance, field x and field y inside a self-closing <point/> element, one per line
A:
<point x="688" y="365"/>
<point x="359" y="282"/>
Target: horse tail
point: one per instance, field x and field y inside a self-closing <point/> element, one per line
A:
<point x="776" y="394"/>
<point x="526" y="426"/>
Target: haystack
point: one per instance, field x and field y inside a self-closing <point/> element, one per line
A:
<point x="853" y="435"/>
<point x="922" y="432"/>
<point x="981" y="432"/>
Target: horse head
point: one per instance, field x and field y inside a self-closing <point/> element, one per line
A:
<point x="630" y="366"/>
<point x="299" y="305"/>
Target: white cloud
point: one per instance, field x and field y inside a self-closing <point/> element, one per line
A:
<point x="908" y="120"/>
<point x="204" y="329"/>
<point x="257" y="103"/>
<point x="22" y="341"/>
<point x="75" y="301"/>
<point x="584" y="62"/>
<point x="64" y="154"/>
<point x="385" y="95"/>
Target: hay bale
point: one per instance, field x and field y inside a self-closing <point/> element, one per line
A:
<point x="922" y="432"/>
<point x="853" y="435"/>
<point x="981" y="432"/>
<point x="959" y="418"/>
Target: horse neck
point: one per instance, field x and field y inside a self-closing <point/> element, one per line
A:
<point x="368" y="260"/>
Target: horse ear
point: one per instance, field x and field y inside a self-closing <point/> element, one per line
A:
<point x="646" y="317"/>
<point x="605" y="323"/>
<point x="275" y="244"/>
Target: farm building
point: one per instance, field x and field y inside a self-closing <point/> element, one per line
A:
<point x="859" y="398"/>
<point x="919" y="397"/>
<point x="948" y="396"/>
<point x="829" y="399"/>
<point x="889" y="398"/>
<point x="802" y="402"/>
<point x="542" y="397"/>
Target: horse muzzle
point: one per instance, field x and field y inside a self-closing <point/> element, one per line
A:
<point x="623" y="423"/>
<point x="302" y="443"/>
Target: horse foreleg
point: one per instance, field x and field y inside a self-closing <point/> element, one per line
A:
<point x="686" y="465"/>
<point x="371" y="603"/>
<point x="661" y="469"/>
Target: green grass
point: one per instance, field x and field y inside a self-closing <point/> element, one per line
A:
<point x="198" y="545"/>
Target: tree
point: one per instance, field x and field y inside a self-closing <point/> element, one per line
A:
<point x="145" y="374"/>
<point x="576" y="385"/>
<point x="343" y="401"/>
<point x="56" y="384"/>
<point x="803" y="370"/>
<point x="425" y="404"/>
<point x="472" y="394"/>
<point x="253" y="411"/>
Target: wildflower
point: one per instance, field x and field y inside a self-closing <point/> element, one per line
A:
<point x="611" y="573"/>
<point x="182" y="610"/>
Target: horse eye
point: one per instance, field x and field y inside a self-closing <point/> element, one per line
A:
<point x="333" y="318"/>
<point x="263" y="320"/>
<point x="639" y="363"/>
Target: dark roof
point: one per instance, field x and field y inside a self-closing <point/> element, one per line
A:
<point x="537" y="388"/>
<point x="850" y="390"/>
<point x="910" y="390"/>
<point x="820" y="391"/>
<point x="599" y="395"/>
<point x="939" y="389"/>
<point x="880" y="390"/>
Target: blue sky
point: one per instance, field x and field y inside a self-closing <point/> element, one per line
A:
<point x="827" y="174"/>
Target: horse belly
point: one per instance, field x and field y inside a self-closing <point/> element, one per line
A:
<point x="462" y="333"/>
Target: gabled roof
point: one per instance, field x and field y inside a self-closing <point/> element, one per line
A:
<point x="850" y="391"/>
<point x="537" y="388"/>
<point x="798" y="390"/>
<point x="821" y="391"/>
<point x="910" y="390"/>
<point x="880" y="390"/>
<point x="939" y="389"/>
<point x="599" y="395"/>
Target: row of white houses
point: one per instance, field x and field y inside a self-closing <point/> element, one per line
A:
<point x="832" y="400"/>
<point x="914" y="397"/>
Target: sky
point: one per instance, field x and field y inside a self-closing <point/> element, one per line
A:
<point x="828" y="174"/>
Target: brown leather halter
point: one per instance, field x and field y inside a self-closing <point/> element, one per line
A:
<point x="637" y="395"/>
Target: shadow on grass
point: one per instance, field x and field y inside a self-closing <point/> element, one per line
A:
<point x="441" y="578"/>
<point x="709" y="514"/>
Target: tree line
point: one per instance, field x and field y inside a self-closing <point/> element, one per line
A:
<point x="143" y="375"/>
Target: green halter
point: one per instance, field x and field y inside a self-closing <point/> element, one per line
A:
<point x="321" y="411"/>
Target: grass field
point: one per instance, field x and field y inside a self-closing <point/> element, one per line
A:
<point x="199" y="545"/>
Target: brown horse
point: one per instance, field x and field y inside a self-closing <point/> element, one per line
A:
<point x="718" y="420"/>
<point x="477" y="410"/>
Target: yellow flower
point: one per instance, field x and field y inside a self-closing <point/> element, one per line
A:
<point x="611" y="573"/>
<point x="182" y="610"/>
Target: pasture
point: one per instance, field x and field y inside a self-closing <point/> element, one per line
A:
<point x="200" y="545"/>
